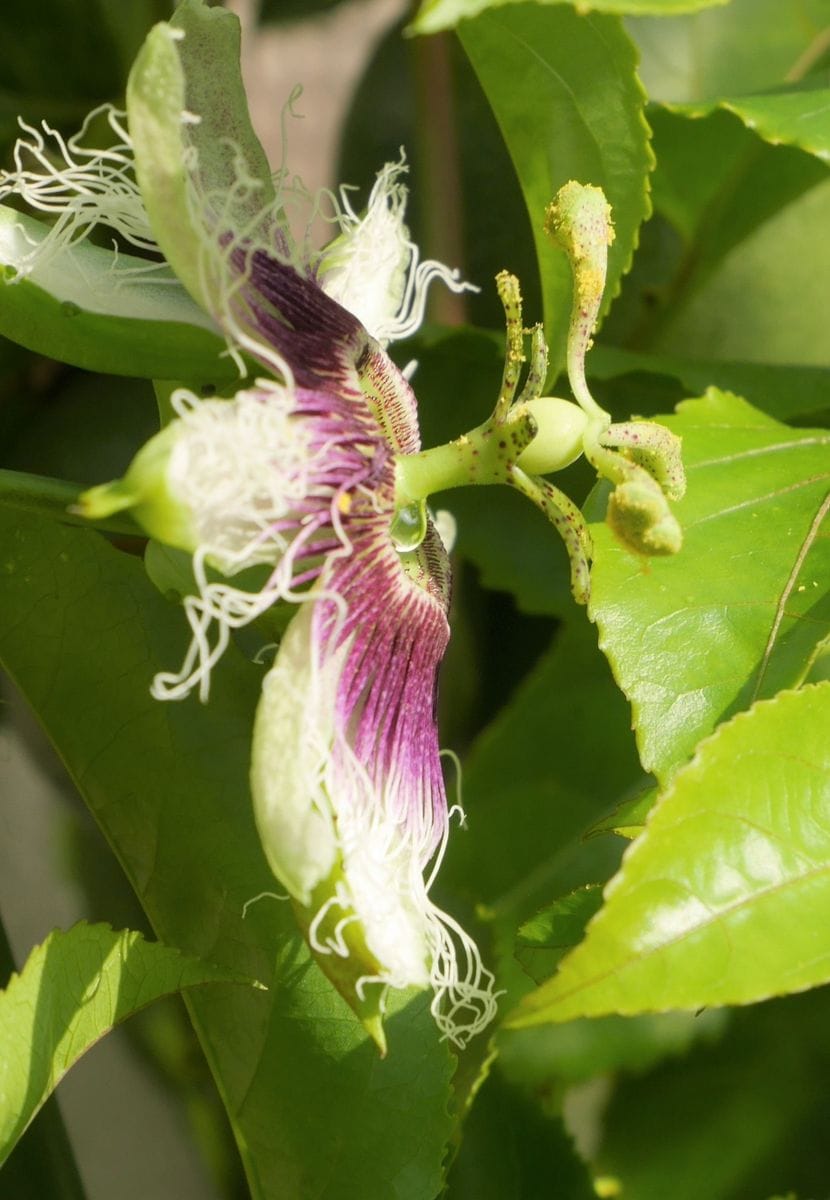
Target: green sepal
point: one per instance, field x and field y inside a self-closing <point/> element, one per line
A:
<point x="366" y="1001"/>
<point x="145" y="491"/>
<point x="193" y="142"/>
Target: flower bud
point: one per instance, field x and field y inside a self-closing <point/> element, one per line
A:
<point x="558" y="441"/>
<point x="640" y="517"/>
<point x="146" y="491"/>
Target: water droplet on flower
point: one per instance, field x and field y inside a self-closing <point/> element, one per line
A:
<point x="409" y="526"/>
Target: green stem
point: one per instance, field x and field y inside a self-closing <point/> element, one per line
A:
<point x="55" y="498"/>
<point x="484" y="455"/>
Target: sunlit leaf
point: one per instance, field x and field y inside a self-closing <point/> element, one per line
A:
<point x="566" y="96"/>
<point x="724" y="899"/>
<point x="72" y="990"/>
<point x="794" y="116"/>
<point x="434" y="15"/>
<point x="737" y="614"/>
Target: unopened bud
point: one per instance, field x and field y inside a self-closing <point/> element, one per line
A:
<point x="640" y="517"/>
<point x="145" y="491"/>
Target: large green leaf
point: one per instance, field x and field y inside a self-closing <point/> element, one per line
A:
<point x="534" y="780"/>
<point x="739" y="612"/>
<point x="434" y="15"/>
<point x="734" y="49"/>
<point x="745" y="309"/>
<point x="565" y="93"/>
<point x="73" y="989"/>
<point x="511" y="1151"/>
<point x="314" y="1109"/>
<point x="778" y="389"/>
<point x="725" y="897"/>
<point x="740" y="1120"/>
<point x="717" y="181"/>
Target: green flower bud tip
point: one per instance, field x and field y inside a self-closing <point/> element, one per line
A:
<point x="641" y="519"/>
<point x="146" y="492"/>
<point x="558" y="441"/>
<point x="653" y="447"/>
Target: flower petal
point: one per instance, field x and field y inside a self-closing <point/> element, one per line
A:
<point x="197" y="159"/>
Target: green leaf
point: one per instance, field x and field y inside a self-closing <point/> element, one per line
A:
<point x="745" y="309"/>
<point x="73" y="989"/>
<point x="578" y="115"/>
<point x="81" y="306"/>
<point x="745" y="1117"/>
<point x="798" y="115"/>
<point x="736" y="49"/>
<point x="511" y="1151"/>
<point x="629" y="817"/>
<point x="737" y="614"/>
<point x="717" y="181"/>
<point x="313" y="1108"/>
<point x="780" y="390"/>
<point x="434" y="15"/>
<point x="724" y="898"/>
<point x="535" y="780"/>
<point x="543" y="940"/>
<point x="558" y="1056"/>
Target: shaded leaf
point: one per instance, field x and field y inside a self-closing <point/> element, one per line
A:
<point x="741" y="47"/>
<point x="543" y="940"/>
<point x="313" y="1107"/>
<point x="724" y="898"/>
<point x="745" y="309"/>
<point x="780" y="390"/>
<point x="72" y="990"/>
<point x="629" y="817"/>
<point x="717" y="181"/>
<point x="535" y="780"/>
<point x="739" y="612"/>
<point x="511" y="1151"/>
<point x="558" y="1056"/>
<point x="736" y="1120"/>
<point x="566" y="96"/>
